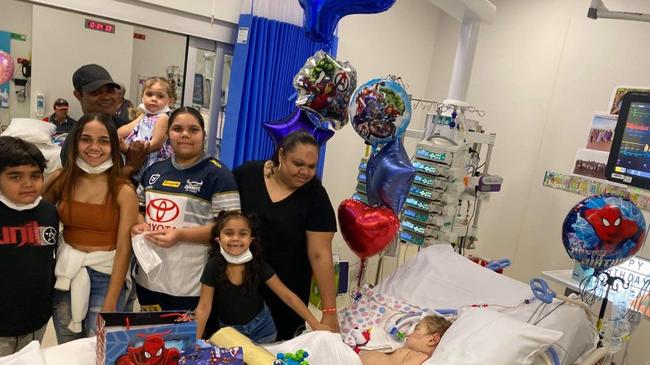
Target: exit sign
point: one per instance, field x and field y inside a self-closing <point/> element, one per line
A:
<point x="100" y="26"/>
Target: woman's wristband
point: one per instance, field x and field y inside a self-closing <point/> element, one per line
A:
<point x="328" y="310"/>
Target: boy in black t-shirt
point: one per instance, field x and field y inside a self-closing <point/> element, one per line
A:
<point x="29" y="228"/>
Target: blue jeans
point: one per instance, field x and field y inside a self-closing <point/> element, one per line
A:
<point x="260" y="329"/>
<point x="61" y="315"/>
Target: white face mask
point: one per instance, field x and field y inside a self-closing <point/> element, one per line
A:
<point x="93" y="170"/>
<point x="16" y="206"/>
<point x="165" y="110"/>
<point x="243" y="258"/>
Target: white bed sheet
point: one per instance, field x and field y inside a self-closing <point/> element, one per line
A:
<point x="324" y="348"/>
<point x="439" y="278"/>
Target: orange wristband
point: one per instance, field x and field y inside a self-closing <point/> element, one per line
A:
<point x="328" y="310"/>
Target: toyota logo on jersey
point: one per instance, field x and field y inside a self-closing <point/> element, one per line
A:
<point x="162" y="210"/>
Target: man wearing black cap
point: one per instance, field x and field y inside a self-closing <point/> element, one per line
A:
<point x="60" y="117"/>
<point x="98" y="93"/>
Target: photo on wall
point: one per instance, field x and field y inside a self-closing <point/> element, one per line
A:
<point x="590" y="163"/>
<point x="618" y="94"/>
<point x="6" y="68"/>
<point x="601" y="132"/>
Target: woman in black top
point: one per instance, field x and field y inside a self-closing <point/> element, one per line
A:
<point x="297" y="225"/>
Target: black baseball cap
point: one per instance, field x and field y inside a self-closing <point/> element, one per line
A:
<point x="92" y="77"/>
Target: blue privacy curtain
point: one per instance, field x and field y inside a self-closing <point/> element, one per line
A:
<point x="260" y="86"/>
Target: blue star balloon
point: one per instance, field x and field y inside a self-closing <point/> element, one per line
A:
<point x="298" y="119"/>
<point x="389" y="175"/>
<point x="321" y="16"/>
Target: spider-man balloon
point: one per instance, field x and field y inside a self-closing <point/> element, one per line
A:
<point x="603" y="231"/>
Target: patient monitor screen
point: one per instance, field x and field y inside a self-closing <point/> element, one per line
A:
<point x="629" y="160"/>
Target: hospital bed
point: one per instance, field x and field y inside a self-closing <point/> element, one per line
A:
<point x="439" y="279"/>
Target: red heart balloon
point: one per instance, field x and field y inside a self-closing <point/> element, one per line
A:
<point x="367" y="230"/>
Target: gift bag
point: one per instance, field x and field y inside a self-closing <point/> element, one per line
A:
<point x="143" y="338"/>
<point x="314" y="293"/>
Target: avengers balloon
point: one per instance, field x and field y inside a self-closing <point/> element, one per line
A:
<point x="603" y="231"/>
<point x="380" y="111"/>
<point x="324" y="87"/>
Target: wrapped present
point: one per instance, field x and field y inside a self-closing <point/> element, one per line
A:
<point x="200" y="356"/>
<point x="230" y="355"/>
<point x="212" y="356"/>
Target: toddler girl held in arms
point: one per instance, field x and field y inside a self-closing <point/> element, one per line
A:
<point x="151" y="126"/>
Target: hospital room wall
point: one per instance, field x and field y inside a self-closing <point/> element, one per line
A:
<point x="54" y="79"/>
<point x="399" y="41"/>
<point x="542" y="69"/>
<point x="540" y="79"/>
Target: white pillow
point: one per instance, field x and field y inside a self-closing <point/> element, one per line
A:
<point x="31" y="130"/>
<point x="482" y="336"/>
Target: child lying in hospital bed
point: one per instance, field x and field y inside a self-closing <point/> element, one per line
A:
<point x="418" y="347"/>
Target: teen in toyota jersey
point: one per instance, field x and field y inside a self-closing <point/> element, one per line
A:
<point x="179" y="199"/>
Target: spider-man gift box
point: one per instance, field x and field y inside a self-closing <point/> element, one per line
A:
<point x="150" y="338"/>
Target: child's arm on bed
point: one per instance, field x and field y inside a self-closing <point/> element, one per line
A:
<point x="291" y="299"/>
<point x="203" y="309"/>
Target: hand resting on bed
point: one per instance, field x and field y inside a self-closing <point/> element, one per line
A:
<point x="418" y="347"/>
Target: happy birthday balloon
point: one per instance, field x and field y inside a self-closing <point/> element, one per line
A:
<point x="321" y="16"/>
<point x="366" y="230"/>
<point x="324" y="87"/>
<point x="380" y="111"/>
<point x="298" y="119"/>
<point x="389" y="175"/>
<point x="6" y="67"/>
<point x="602" y="231"/>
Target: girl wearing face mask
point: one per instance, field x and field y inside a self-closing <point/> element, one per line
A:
<point x="230" y="293"/>
<point x="97" y="208"/>
<point x="179" y="199"/>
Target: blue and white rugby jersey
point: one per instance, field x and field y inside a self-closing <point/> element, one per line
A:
<point x="183" y="198"/>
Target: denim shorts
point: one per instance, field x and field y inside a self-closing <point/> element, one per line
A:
<point x="260" y="329"/>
